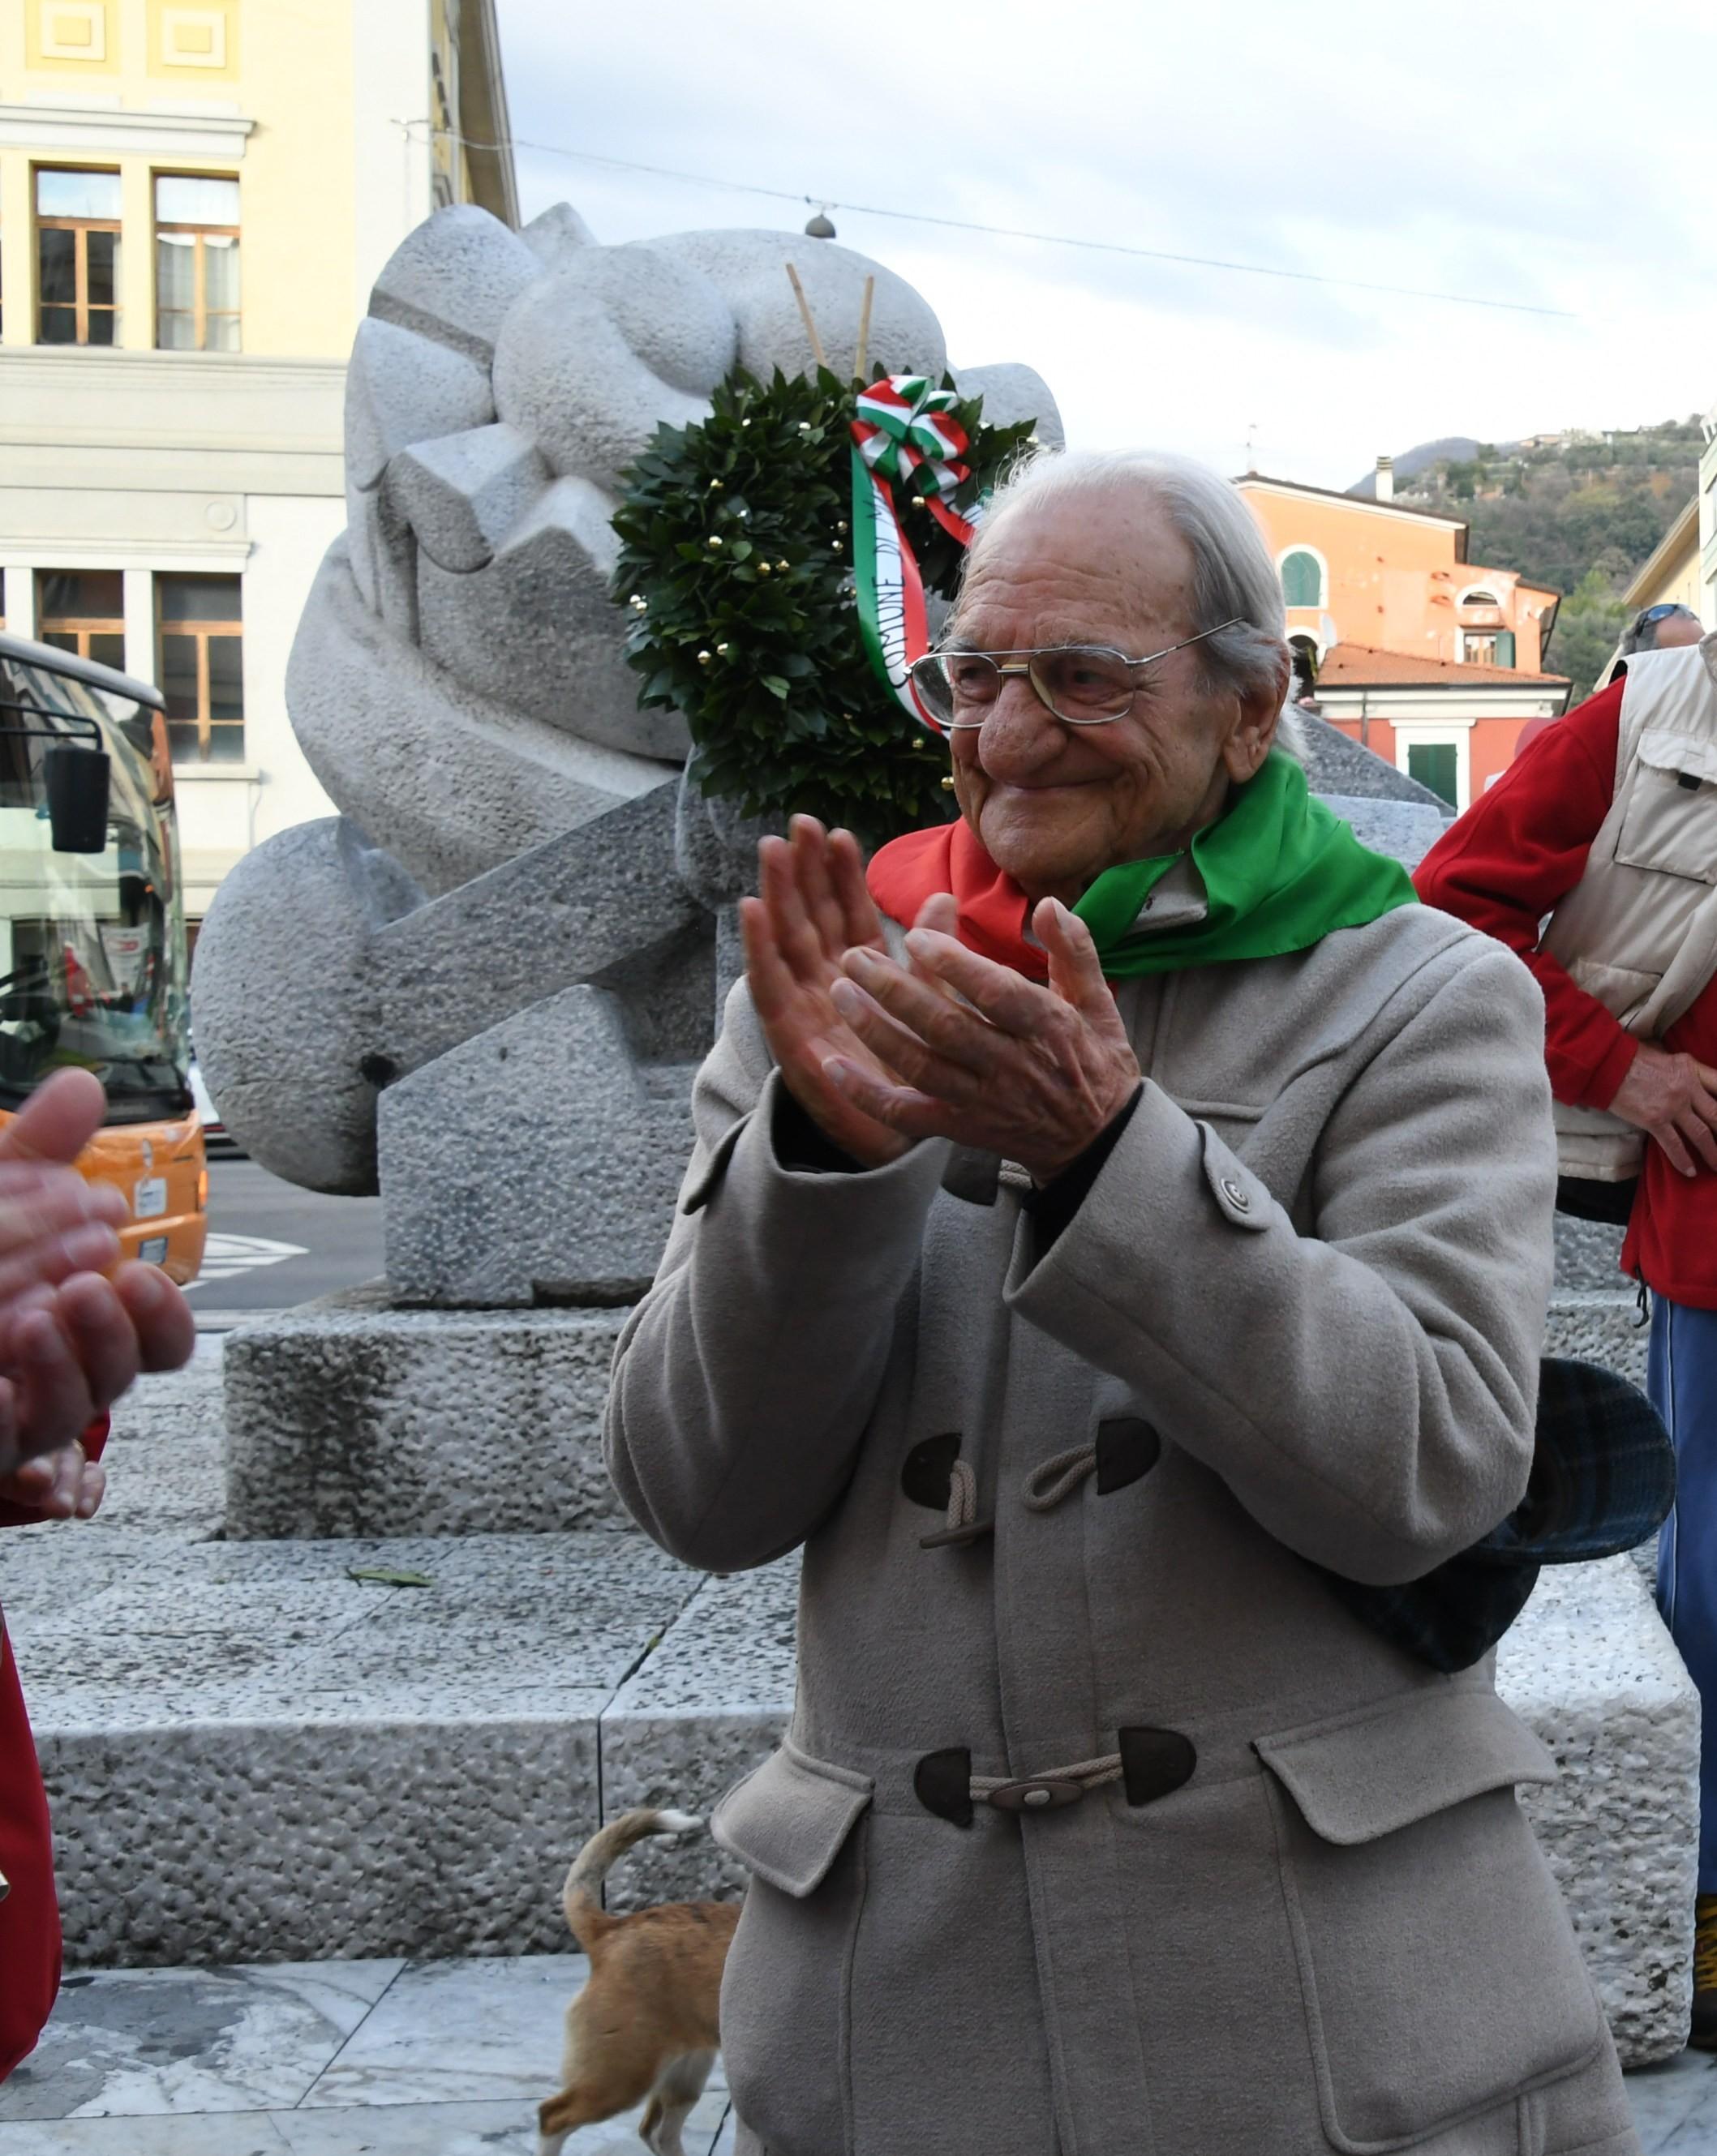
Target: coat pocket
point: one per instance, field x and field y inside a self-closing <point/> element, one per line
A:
<point x="1439" y="1970"/>
<point x="1671" y="821"/>
<point x="786" y="2011"/>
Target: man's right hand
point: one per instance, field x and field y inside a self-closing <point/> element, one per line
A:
<point x="1674" y="1099"/>
<point x="814" y="907"/>
<point x="76" y="1325"/>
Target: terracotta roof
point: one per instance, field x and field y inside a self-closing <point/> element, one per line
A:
<point x="1353" y="501"/>
<point x="1358" y="666"/>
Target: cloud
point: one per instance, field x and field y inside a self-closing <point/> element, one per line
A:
<point x="1531" y="152"/>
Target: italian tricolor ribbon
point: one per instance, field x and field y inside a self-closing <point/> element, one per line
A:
<point x="904" y="439"/>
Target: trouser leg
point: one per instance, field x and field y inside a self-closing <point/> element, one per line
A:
<point x="1682" y="1384"/>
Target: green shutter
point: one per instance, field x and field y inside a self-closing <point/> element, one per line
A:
<point x="1302" y="580"/>
<point x="1434" y="764"/>
<point x="1505" y="647"/>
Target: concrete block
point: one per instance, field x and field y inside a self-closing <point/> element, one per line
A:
<point x="447" y="781"/>
<point x="535" y="628"/>
<point x="1334" y="764"/>
<point x="1012" y="393"/>
<point x="1598" y="1327"/>
<point x="556" y="233"/>
<point x="712" y="1702"/>
<point x="750" y="269"/>
<point x="1591" y="1667"/>
<point x="285" y="992"/>
<point x="400" y="388"/>
<point x="311" y="1765"/>
<point x="454" y="278"/>
<point x="587" y="906"/>
<point x="1405" y="830"/>
<point x="350" y="1417"/>
<point x="616" y="342"/>
<point x="462" y="493"/>
<point x="497" y="1197"/>
<point x="1589" y="1257"/>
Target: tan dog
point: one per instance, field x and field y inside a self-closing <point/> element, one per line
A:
<point x="645" y="2023"/>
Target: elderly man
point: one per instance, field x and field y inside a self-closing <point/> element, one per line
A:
<point x="1085" y="1278"/>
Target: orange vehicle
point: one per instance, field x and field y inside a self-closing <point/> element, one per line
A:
<point x="95" y="968"/>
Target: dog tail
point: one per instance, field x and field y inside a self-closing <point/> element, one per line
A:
<point x="586" y="1918"/>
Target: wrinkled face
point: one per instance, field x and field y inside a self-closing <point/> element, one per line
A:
<point x="1055" y="805"/>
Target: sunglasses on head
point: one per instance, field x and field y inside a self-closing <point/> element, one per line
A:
<point x="1660" y="613"/>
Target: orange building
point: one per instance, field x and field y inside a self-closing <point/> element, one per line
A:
<point x="1438" y="661"/>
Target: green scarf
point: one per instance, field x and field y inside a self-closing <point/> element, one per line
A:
<point x="1279" y="870"/>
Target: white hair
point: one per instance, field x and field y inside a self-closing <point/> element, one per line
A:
<point x="1233" y="577"/>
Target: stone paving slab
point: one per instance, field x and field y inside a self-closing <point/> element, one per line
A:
<point x="413" y="2059"/>
<point x="377" y="2058"/>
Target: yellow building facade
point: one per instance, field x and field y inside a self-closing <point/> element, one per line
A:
<point x="196" y="197"/>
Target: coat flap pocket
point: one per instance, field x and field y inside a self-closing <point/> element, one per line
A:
<point x="1666" y="749"/>
<point x="786" y="1823"/>
<point x="1372" y="1773"/>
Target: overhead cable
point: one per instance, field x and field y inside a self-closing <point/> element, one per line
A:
<point x="1005" y="231"/>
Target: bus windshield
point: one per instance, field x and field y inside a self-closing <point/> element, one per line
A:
<point x="92" y="966"/>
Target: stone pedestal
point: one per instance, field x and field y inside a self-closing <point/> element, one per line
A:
<point x="349" y="1417"/>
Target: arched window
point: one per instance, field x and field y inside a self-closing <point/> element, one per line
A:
<point x="1302" y="578"/>
<point x="1479" y="597"/>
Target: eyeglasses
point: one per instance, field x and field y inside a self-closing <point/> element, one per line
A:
<point x="1660" y="613"/>
<point x="1082" y="685"/>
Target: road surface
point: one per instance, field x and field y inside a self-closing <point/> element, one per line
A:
<point x="271" y="1245"/>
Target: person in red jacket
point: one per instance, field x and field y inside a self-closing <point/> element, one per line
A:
<point x="76" y="1326"/>
<point x="1503" y="867"/>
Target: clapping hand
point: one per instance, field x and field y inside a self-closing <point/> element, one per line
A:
<point x="76" y="1325"/>
<point x="959" y="1047"/>
<point x="813" y="909"/>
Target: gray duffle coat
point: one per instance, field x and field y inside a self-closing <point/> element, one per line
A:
<point x="1103" y="1826"/>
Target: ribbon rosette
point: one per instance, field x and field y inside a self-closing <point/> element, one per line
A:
<point x="904" y="435"/>
<point x="904" y="432"/>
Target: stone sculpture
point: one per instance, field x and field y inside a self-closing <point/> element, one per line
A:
<point x="511" y="839"/>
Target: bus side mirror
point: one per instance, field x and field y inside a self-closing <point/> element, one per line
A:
<point x="78" y="781"/>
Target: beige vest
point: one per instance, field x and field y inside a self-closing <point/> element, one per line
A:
<point x="1639" y="930"/>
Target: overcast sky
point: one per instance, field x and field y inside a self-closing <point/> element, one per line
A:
<point x="1559" y="156"/>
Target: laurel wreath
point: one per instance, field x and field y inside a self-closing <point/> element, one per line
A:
<point x="736" y="574"/>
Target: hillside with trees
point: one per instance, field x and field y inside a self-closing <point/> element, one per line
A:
<point x="1581" y="512"/>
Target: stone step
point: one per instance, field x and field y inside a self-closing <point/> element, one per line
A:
<point x="349" y="1417"/>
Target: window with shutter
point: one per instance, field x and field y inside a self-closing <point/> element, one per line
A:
<point x="1302" y="579"/>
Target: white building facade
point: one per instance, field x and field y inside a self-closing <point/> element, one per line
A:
<point x="194" y="202"/>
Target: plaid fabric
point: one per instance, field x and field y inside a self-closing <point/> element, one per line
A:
<point x="1603" y="1478"/>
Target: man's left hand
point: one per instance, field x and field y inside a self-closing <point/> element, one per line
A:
<point x="989" y="1059"/>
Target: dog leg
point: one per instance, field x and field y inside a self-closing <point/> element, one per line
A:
<point x="676" y="2090"/>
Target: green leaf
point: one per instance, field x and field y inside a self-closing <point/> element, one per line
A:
<point x="386" y="1576"/>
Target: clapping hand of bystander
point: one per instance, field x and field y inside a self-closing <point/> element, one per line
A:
<point x="77" y="1325"/>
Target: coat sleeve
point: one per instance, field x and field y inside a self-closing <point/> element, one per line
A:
<point x="744" y="1381"/>
<point x="1518" y="851"/>
<point x="1367" y="1391"/>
